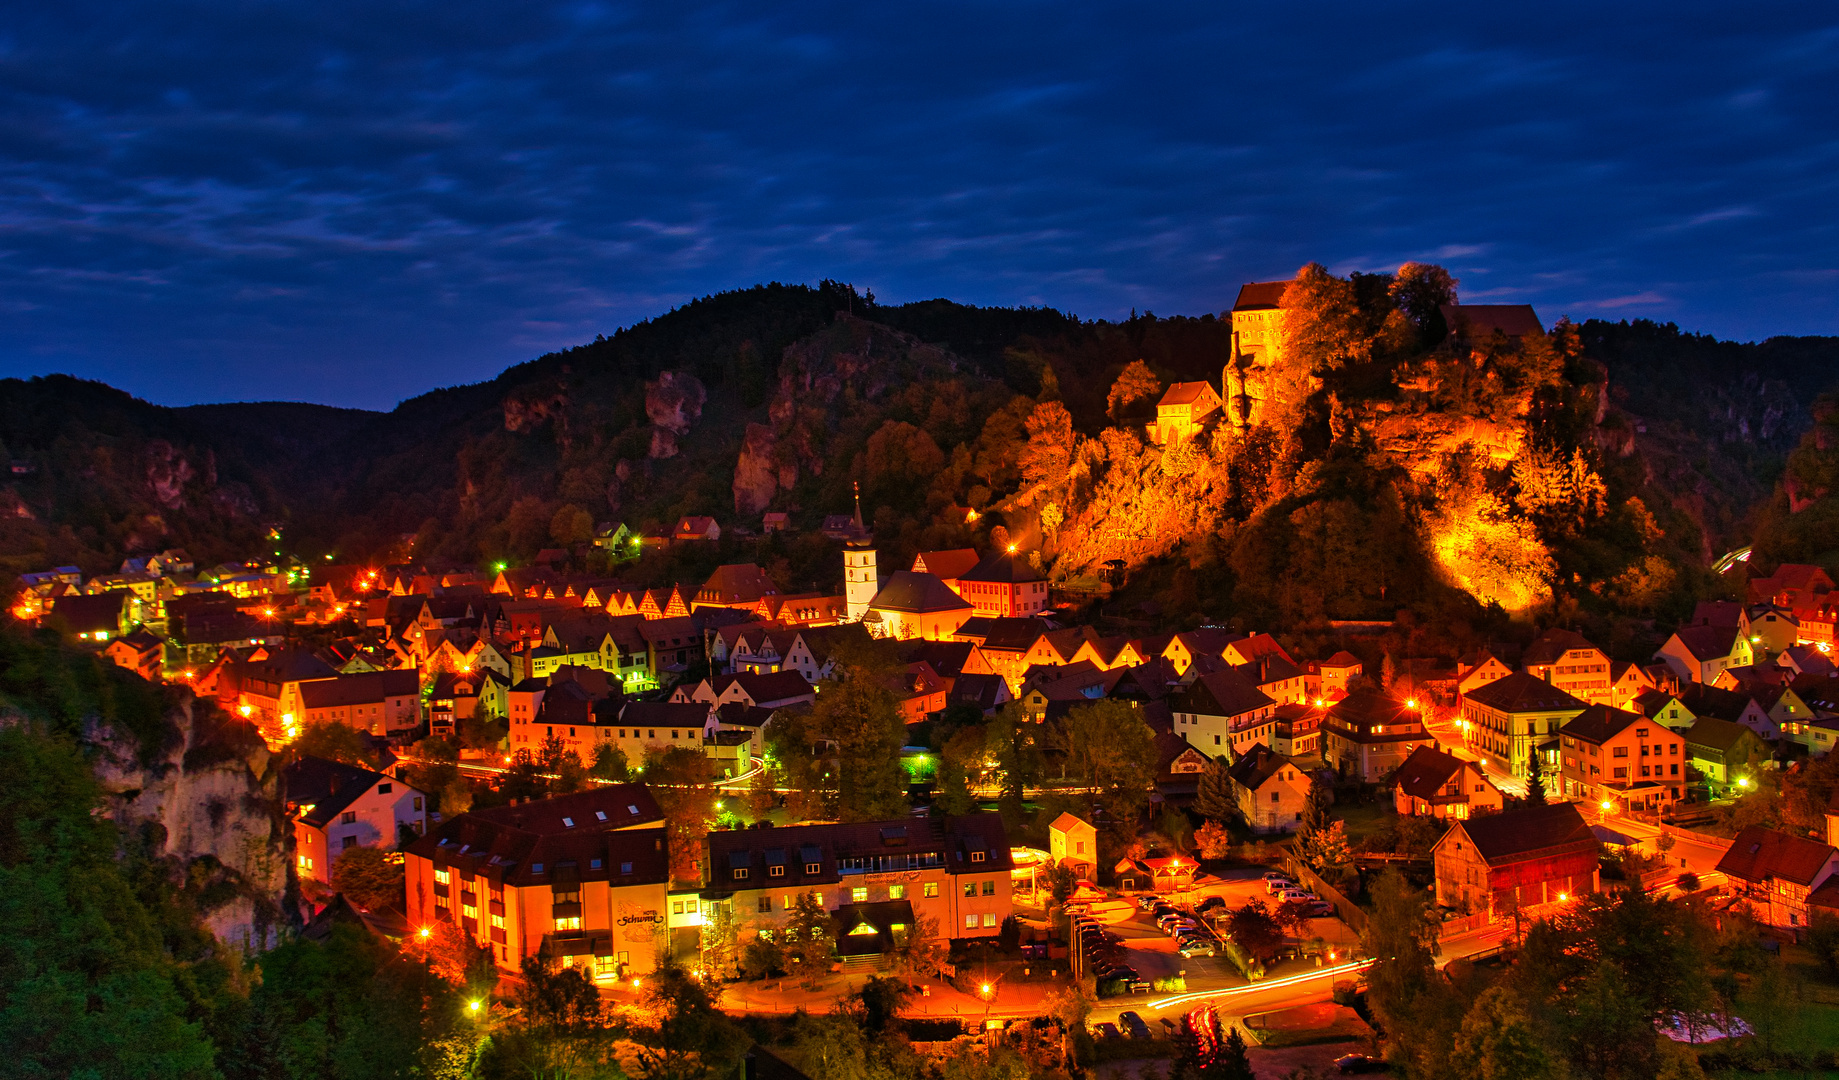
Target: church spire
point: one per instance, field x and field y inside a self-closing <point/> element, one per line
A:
<point x="857" y="485"/>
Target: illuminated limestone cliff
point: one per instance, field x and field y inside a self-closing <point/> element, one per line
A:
<point x="1447" y="408"/>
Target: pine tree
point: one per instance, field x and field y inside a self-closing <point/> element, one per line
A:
<point x="1535" y="784"/>
<point x="1230" y="1061"/>
<point x="1214" y="799"/>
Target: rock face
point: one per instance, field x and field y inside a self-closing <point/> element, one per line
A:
<point x="756" y="474"/>
<point x="211" y="816"/>
<point x="527" y="413"/>
<point x="673" y="404"/>
<point x="167" y="473"/>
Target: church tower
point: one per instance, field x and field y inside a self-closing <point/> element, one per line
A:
<point x="860" y="579"/>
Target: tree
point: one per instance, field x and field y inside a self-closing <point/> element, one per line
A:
<point x="1135" y="383"/>
<point x="720" y="934"/>
<point x="857" y="777"/>
<point x="563" y="1027"/>
<point x="571" y="525"/>
<point x="1049" y="453"/>
<point x="1822" y="938"/>
<point x="1214" y="799"/>
<point x="1417" y="1008"/>
<point x="1213" y="840"/>
<point x="1499" y="1041"/>
<point x="1323" y="325"/>
<point x="761" y="957"/>
<point x="1327" y="850"/>
<point x="1535" y="784"/>
<point x="334" y="741"/>
<point x="560" y="766"/>
<point x="682" y="780"/>
<point x="1256" y="931"/>
<point x="918" y="948"/>
<point x="1110" y="752"/>
<point x="609" y="762"/>
<point x="1230" y="1061"/>
<point x="1062" y="882"/>
<point x="880" y="1002"/>
<point x="1420" y="290"/>
<point x="691" y="1039"/>
<point x="368" y="878"/>
<point x="810" y="937"/>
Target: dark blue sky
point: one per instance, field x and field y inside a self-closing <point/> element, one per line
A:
<point x="352" y="203"/>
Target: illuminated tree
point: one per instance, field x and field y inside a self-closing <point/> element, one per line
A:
<point x="1323" y="326"/>
<point x="1256" y="931"/>
<point x="810" y="935"/>
<point x="918" y="948"/>
<point x="1049" y="453"/>
<point x="1136" y="383"/>
<point x="1420" y="290"/>
<point x="1213" y="840"/>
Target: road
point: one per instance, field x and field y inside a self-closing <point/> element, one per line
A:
<point x="1450" y="741"/>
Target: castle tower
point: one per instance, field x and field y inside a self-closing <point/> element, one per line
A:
<point x="861" y="581"/>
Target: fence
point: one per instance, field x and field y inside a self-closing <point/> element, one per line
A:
<point x="1465" y="924"/>
<point x="1350" y="912"/>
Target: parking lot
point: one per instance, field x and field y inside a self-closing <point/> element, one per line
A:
<point x="1153" y="954"/>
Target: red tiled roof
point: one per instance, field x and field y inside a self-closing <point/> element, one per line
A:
<point x="1260" y="294"/>
<point x="1522" y="835"/>
<point x="1758" y="854"/>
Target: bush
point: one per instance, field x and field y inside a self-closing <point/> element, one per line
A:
<point x="1174" y="984"/>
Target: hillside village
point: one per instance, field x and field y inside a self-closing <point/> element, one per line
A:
<point x="948" y="748"/>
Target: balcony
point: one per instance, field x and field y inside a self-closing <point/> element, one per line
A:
<point x="566" y="911"/>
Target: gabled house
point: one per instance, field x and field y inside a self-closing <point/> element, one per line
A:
<point x="1698" y="653"/>
<point x="1369" y="733"/>
<point x="1184" y="412"/>
<point x="1223" y="713"/>
<point x="1331" y="679"/>
<point x="98" y="618"/>
<point x="694" y="528"/>
<point x="139" y="652"/>
<point x="736" y="585"/>
<point x="1733" y="705"/>
<point x="1725" y="753"/>
<point x="1272" y="791"/>
<point x="1071" y="841"/>
<point x="1477" y="670"/>
<point x="1182" y="649"/>
<point x="1432" y="783"/>
<point x="1776" y="873"/>
<point x="1664" y="709"/>
<point x="1769" y="629"/>
<point x="1567" y="660"/>
<point x="1002" y="585"/>
<point x="1516" y="861"/>
<point x="1296" y="730"/>
<point x="947" y="566"/>
<point x="335" y="807"/>
<point x="1615" y="756"/>
<point x="767" y="691"/>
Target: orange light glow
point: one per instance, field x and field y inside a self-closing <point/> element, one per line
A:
<point x="1562" y="897"/>
<point x="425" y="933"/>
<point x="1011" y="549"/>
<point x="1411" y="703"/>
<point x="245" y="711"/>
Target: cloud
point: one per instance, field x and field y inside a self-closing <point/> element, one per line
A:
<point x="353" y="202"/>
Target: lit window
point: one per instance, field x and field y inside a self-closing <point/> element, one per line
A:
<point x="970" y="922"/>
<point x="573" y="922"/>
<point x="929" y="890"/>
<point x="897" y="892"/>
<point x="860" y="896"/>
<point x="989" y="919"/>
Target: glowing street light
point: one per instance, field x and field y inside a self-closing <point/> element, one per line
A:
<point x="1608" y="806"/>
<point x="474" y="1006"/>
<point x="425" y="933"/>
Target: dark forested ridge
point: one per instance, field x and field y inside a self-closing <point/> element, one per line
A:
<point x="481" y="471"/>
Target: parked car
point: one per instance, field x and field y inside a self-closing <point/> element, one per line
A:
<point x="1276" y="875"/>
<point x="1145" y="903"/>
<point x="1277" y="884"/>
<point x="1175" y="929"/>
<point x="1210" y="903"/>
<point x="1196" y="947"/>
<point x="1360" y="1063"/>
<point x="1320" y="909"/>
<point x="1134" y="1024"/>
<point x="1107" y="1031"/>
<point x="1298" y="895"/>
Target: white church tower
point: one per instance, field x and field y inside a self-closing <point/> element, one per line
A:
<point x="860" y="580"/>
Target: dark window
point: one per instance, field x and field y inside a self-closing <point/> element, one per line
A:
<point x="385" y="789"/>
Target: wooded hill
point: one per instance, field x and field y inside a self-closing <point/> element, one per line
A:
<point x="781" y="396"/>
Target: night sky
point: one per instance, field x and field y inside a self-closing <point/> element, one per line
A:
<point x="355" y="203"/>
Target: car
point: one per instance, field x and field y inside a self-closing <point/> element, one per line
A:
<point x="1277" y="884"/>
<point x="1276" y="875"/>
<point x="1144" y="903"/>
<point x="1298" y="895"/>
<point x="1134" y="1024"/>
<point x="1320" y="909"/>
<point x="1127" y="974"/>
<point x="1191" y="949"/>
<point x="1168" y="917"/>
<point x="1107" y="1031"/>
<point x="1360" y="1063"/>
<point x="1176" y="929"/>
<point x="1210" y="903"/>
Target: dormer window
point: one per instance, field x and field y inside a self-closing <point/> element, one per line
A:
<point x="536" y="868"/>
<point x="977" y="856"/>
<point x="631" y="809"/>
<point x="568" y="823"/>
<point x="740" y="873"/>
<point x="600" y="815"/>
